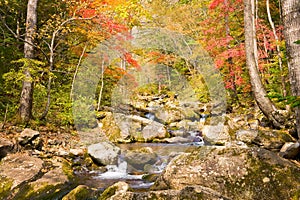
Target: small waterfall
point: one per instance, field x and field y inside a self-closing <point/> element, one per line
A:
<point x="118" y="172"/>
<point x="203" y="118"/>
<point x="150" y="116"/>
<point x="197" y="138"/>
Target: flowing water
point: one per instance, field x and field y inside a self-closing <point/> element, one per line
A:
<point x="123" y="172"/>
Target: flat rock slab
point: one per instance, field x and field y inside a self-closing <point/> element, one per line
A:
<point x="20" y="168"/>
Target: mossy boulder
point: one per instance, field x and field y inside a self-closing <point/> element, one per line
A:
<point x="110" y="127"/>
<point x="117" y="191"/>
<point x="20" y="168"/>
<point x="234" y="173"/>
<point x="5" y="186"/>
<point x="51" y="185"/>
<point x="81" y="192"/>
<point x="272" y="139"/>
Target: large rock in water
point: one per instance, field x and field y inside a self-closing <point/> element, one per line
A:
<point x="154" y="130"/>
<point x="139" y="158"/>
<point x="234" y="173"/>
<point x="104" y="153"/>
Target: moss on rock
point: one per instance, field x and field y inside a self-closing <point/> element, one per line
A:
<point x="81" y="192"/>
<point x="236" y="173"/>
<point x="5" y="186"/>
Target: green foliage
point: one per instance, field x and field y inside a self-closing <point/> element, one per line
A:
<point x="293" y="101"/>
<point x="13" y="82"/>
<point x="297" y="42"/>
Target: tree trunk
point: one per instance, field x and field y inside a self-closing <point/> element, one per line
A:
<point x="26" y="99"/>
<point x="278" y="51"/>
<point x="260" y="95"/>
<point x="291" y="22"/>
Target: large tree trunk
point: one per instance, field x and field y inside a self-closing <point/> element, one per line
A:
<point x="291" y="22"/>
<point x="25" y="109"/>
<point x="260" y="95"/>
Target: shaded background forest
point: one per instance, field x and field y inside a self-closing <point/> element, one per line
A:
<point x="67" y="31"/>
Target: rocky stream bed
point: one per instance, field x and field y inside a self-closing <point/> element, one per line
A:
<point x="157" y="150"/>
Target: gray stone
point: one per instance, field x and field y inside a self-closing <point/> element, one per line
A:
<point x="116" y="192"/>
<point x="20" y="168"/>
<point x="272" y="139"/>
<point x="140" y="157"/>
<point x="246" y="136"/>
<point x="154" y="130"/>
<point x="234" y="173"/>
<point x="218" y="134"/>
<point x="104" y="153"/>
<point x="177" y="139"/>
<point x="290" y="150"/>
<point x="27" y="136"/>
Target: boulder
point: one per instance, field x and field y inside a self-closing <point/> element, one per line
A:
<point x="52" y="185"/>
<point x="81" y="192"/>
<point x="119" y="127"/>
<point x="27" y="136"/>
<point x="5" y="147"/>
<point x="111" y="128"/>
<point x="154" y="130"/>
<point x="104" y="153"/>
<point x="290" y="150"/>
<point x="20" y="168"/>
<point x="140" y="157"/>
<point x="272" y="139"/>
<point x="216" y="134"/>
<point x="246" y="136"/>
<point x="117" y="191"/>
<point x="233" y="173"/>
<point x="169" y="115"/>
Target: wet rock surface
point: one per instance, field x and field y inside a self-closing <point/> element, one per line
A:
<point x="104" y="153"/>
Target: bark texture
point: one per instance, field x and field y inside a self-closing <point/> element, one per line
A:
<point x="25" y="109"/>
<point x="291" y="22"/>
<point x="260" y="95"/>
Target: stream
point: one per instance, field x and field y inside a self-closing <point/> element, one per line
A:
<point x="123" y="172"/>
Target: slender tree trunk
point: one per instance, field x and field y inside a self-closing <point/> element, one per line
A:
<point x="25" y="109"/>
<point x="283" y="86"/>
<point x="102" y="86"/>
<point x="260" y="95"/>
<point x="291" y="22"/>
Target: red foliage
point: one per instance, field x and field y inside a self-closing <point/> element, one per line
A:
<point x="131" y="61"/>
<point x="88" y="13"/>
<point x="215" y="3"/>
